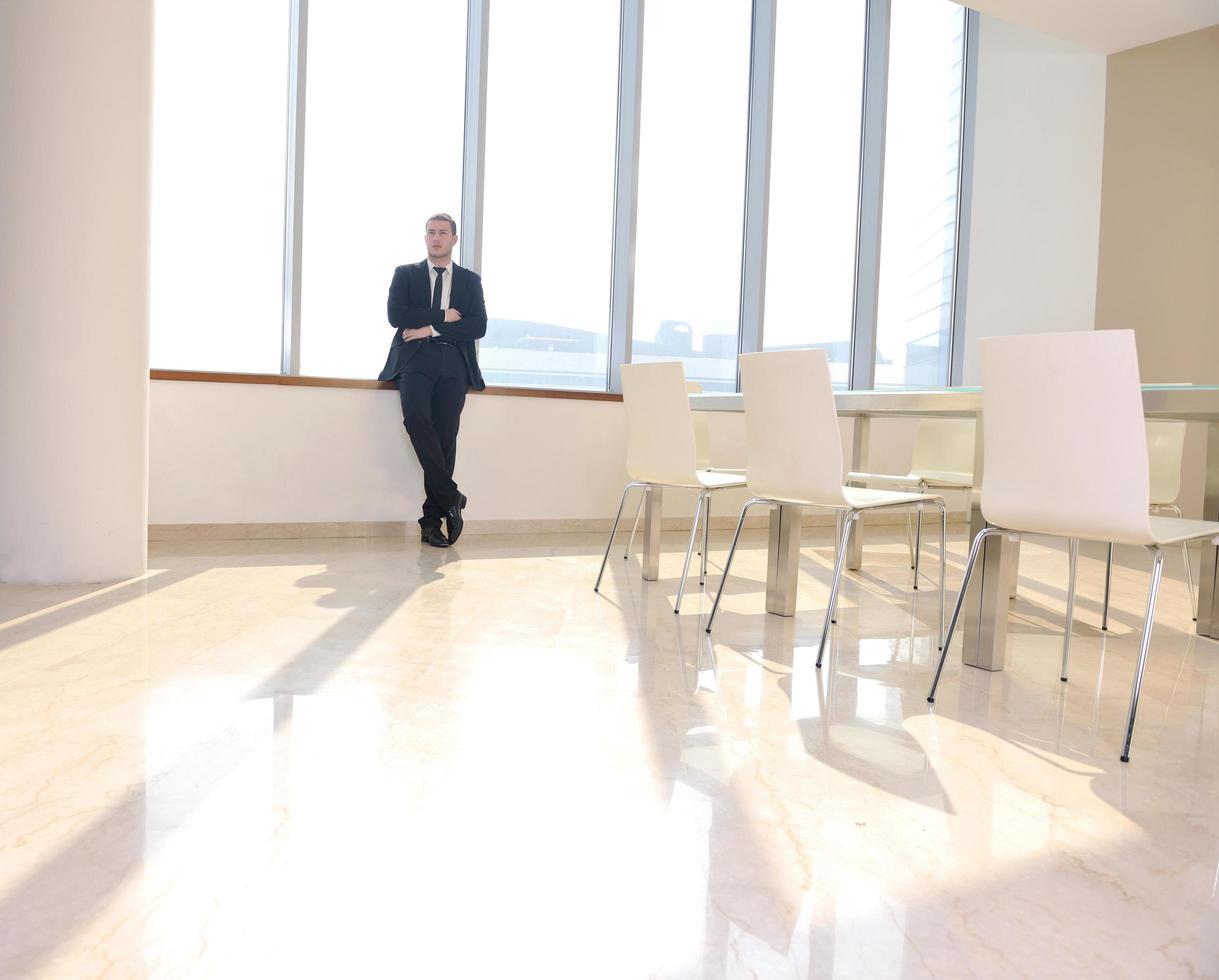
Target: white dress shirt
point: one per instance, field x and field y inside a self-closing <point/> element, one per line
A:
<point x="445" y="291"/>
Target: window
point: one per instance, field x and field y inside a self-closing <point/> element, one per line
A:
<point x="693" y="131"/>
<point x="384" y="83"/>
<point x="383" y="151"/>
<point x="548" y="203"/>
<point x="814" y="178"/>
<point x="918" y="230"/>
<point x="217" y="226"/>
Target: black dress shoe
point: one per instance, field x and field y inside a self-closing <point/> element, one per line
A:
<point x="453" y="519"/>
<point x="433" y="536"/>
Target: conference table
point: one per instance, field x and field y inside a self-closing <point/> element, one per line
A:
<point x="984" y="617"/>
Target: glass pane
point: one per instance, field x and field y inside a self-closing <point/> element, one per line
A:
<point x="219" y="133"/>
<point x="692" y="186"/>
<point x="383" y="136"/>
<point x="918" y="229"/>
<point x="814" y="178"/>
<point x="548" y="219"/>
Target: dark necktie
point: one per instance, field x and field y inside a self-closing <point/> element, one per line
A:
<point x="438" y="289"/>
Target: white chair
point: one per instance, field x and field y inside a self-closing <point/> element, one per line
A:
<point x="943" y="459"/>
<point x="702" y="456"/>
<point x="661" y="452"/>
<point x="795" y="457"/>
<point x="1165" y="453"/>
<point x="1066" y="456"/>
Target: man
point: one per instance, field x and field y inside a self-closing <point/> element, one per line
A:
<point x="437" y="311"/>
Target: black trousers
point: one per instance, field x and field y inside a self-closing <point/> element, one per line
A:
<point x="432" y="387"/>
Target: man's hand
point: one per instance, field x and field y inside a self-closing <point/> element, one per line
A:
<point x="416" y="333"/>
<point x="451" y="315"/>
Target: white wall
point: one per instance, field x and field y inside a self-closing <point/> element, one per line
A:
<point x="233" y="453"/>
<point x="1035" y="224"/>
<point x="269" y="454"/>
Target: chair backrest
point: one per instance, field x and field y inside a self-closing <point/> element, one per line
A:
<point x="891" y="445"/>
<point x="659" y="428"/>
<point x="1165" y="452"/>
<point x="1065" y="444"/>
<point x="791" y="427"/>
<point x="944" y="446"/>
<point x="702" y="430"/>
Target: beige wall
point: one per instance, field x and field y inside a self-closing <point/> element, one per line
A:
<point x="1159" y="246"/>
<point x="75" y="91"/>
<point x="1159" y="242"/>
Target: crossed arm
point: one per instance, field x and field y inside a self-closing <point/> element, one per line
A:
<point x="418" y="321"/>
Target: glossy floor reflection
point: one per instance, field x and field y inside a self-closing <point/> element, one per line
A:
<point x="362" y="759"/>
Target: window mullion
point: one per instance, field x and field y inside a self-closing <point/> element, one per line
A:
<point x="294" y="190"/>
<point x="965" y="171"/>
<point x="626" y="189"/>
<point x="757" y="177"/>
<point x="871" y="191"/>
<point x="473" y="168"/>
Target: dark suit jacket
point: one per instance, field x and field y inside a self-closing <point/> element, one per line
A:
<point x="410" y="305"/>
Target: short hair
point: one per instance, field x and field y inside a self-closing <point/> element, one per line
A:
<point x="441" y="216"/>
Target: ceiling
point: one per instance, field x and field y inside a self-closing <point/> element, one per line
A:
<point x="1105" y="25"/>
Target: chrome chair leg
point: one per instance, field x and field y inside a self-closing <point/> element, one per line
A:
<point x="943" y="564"/>
<point x="685" y="569"/>
<point x="974" y="549"/>
<point x="1104" y="615"/>
<point x="1148" y="622"/>
<point x="634" y="527"/>
<point x="614" y="530"/>
<point x="839" y="561"/>
<point x="918" y="538"/>
<point x="1189" y="580"/>
<point x="1189" y="568"/>
<point x="841" y="522"/>
<point x="702" y="577"/>
<point x="731" y="553"/>
<point x="1073" y="552"/>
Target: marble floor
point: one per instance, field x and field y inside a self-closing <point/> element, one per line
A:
<point x="360" y="758"/>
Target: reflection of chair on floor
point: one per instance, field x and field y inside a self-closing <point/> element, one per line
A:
<point x="661" y="452"/>
<point x="1165" y="454"/>
<point x="942" y="459"/>
<point x="1066" y="456"/>
<point x="795" y="456"/>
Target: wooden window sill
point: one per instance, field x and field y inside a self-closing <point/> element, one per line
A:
<point x="221" y="377"/>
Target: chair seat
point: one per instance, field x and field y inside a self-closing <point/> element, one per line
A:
<point x="888" y="479"/>
<point x="1173" y="530"/>
<point x="718" y="479"/>
<point x="861" y="498"/>
<point x="707" y="480"/>
<point x="947" y="479"/>
<point x="933" y="478"/>
<point x="1164" y="530"/>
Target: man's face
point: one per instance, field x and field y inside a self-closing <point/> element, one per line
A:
<point x="440" y="240"/>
